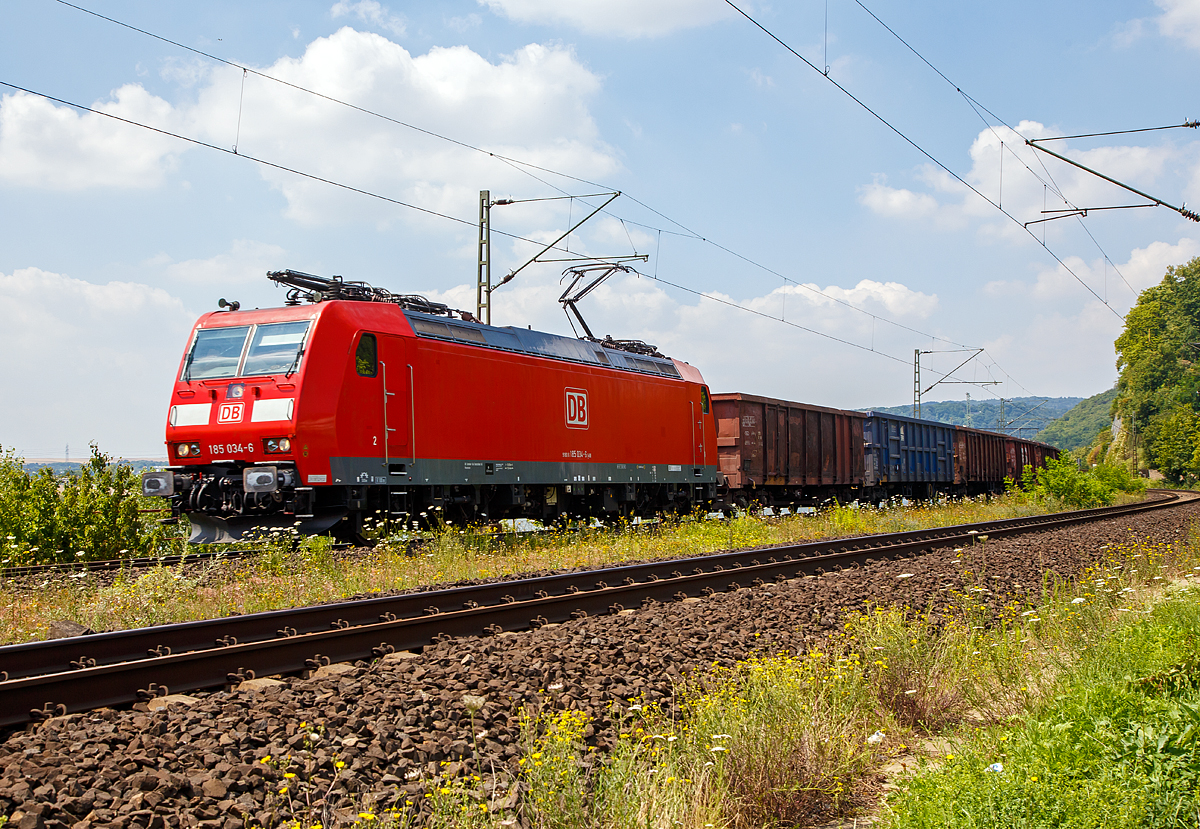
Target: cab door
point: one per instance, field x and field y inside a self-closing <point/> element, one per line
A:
<point x="396" y="398"/>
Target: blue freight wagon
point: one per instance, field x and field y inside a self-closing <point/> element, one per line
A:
<point x="917" y="455"/>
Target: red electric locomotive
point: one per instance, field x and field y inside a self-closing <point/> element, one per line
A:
<point x="360" y="403"/>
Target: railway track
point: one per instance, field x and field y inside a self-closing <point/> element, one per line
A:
<point x="44" y="679"/>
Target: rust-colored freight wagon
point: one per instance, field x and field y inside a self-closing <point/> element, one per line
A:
<point x="1022" y="453"/>
<point x="790" y="450"/>
<point x="979" y="460"/>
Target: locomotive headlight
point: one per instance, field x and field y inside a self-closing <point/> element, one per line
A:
<point x="259" y="479"/>
<point x="158" y="483"/>
<point x="277" y="446"/>
<point x="183" y="450"/>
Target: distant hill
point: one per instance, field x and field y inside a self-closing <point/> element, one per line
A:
<point x="985" y="414"/>
<point x="71" y="467"/>
<point x="1080" y="426"/>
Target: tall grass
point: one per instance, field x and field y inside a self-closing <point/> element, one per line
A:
<point x="792" y="738"/>
<point x="297" y="572"/>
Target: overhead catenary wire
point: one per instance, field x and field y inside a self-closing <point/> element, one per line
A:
<point x="525" y="167"/>
<point x="923" y="152"/>
<point x="1049" y="181"/>
<point x="517" y="164"/>
<point x="400" y="203"/>
<point x="264" y="162"/>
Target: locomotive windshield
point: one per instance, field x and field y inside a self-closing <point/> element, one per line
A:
<point x="275" y="348"/>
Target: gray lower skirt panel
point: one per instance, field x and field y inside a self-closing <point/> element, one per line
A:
<point x="436" y="472"/>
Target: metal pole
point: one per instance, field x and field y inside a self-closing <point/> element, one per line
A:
<point x="483" y="293"/>
<point x="916" y="411"/>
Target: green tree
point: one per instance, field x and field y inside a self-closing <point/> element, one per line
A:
<point x="1158" y="357"/>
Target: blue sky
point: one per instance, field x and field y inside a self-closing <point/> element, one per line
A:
<point x="750" y="178"/>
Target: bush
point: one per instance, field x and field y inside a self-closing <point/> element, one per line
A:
<point x="1096" y="487"/>
<point x="85" y="516"/>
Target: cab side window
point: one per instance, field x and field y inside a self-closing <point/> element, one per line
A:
<point x="704" y="405"/>
<point x="366" y="357"/>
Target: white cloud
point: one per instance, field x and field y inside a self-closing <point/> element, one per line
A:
<point x="246" y="262"/>
<point x="531" y="104"/>
<point x="1001" y="165"/>
<point x="1062" y="353"/>
<point x="464" y="23"/>
<point x="623" y="18"/>
<point x="1180" y="19"/>
<point x="372" y="12"/>
<point x="55" y="147"/>
<point x="1119" y="284"/>
<point x="896" y="203"/>
<point x="111" y="348"/>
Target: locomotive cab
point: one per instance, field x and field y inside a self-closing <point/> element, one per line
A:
<point x="231" y="434"/>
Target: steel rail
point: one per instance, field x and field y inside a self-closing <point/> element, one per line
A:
<point x="211" y="653"/>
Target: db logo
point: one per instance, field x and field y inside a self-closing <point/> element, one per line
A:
<point x="577" y="409"/>
<point x="230" y="413"/>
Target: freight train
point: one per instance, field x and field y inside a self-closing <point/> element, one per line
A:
<point x="350" y="405"/>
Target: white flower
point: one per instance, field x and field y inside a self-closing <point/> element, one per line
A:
<point x="875" y="739"/>
<point x="717" y="748"/>
<point x="1078" y="600"/>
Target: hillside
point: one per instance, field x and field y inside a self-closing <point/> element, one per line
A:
<point x="985" y="414"/>
<point x="1079" y="426"/>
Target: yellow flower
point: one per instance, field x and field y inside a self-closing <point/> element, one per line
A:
<point x="340" y="764"/>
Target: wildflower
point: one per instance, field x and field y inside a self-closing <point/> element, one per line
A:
<point x="995" y="767"/>
<point x="875" y="739"/>
<point x="289" y="775"/>
<point x="1078" y="600"/>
